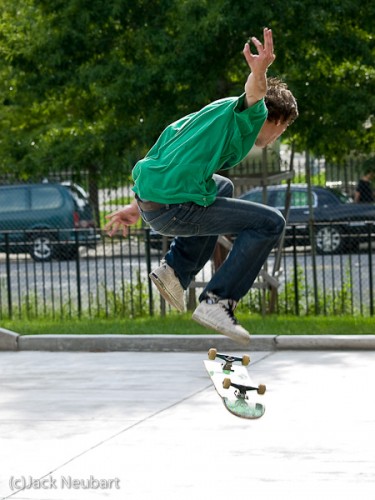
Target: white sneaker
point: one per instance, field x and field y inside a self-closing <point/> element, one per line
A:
<point x="218" y="314"/>
<point x="168" y="285"/>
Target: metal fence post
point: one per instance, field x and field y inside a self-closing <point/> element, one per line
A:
<point x="78" y="272"/>
<point x="295" y="266"/>
<point x="9" y="288"/>
<point x="371" y="281"/>
<point x="148" y="264"/>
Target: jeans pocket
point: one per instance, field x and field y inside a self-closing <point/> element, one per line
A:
<point x="156" y="217"/>
<point x="177" y="227"/>
<point x="172" y="222"/>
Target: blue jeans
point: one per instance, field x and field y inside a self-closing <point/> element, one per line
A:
<point x="257" y="229"/>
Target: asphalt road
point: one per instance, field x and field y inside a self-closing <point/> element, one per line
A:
<point x="150" y="425"/>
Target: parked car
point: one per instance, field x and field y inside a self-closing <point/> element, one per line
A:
<point x="46" y="220"/>
<point x="339" y="224"/>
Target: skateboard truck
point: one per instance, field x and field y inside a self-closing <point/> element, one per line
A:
<point x="242" y="389"/>
<point x="229" y="360"/>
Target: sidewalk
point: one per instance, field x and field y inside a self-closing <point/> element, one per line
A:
<point x="138" y="425"/>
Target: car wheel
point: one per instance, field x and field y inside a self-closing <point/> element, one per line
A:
<point x="328" y="240"/>
<point x="42" y="247"/>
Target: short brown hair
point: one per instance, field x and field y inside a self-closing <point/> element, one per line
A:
<point x="280" y="102"/>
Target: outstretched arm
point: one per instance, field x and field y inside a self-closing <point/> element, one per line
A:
<point x="122" y="218"/>
<point x="256" y="84"/>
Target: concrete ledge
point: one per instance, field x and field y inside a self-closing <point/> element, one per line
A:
<point x="146" y="343"/>
<point x="8" y="340"/>
<point x="325" y="342"/>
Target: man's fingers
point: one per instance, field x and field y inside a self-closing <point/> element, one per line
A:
<point x="256" y="42"/>
<point x="112" y="227"/>
<point x="109" y="216"/>
<point x="265" y="51"/>
<point x="268" y="40"/>
<point x="247" y="53"/>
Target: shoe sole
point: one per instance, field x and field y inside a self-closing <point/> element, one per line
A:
<point x="165" y="294"/>
<point x="241" y="339"/>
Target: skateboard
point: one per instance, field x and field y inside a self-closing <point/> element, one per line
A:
<point x="232" y="383"/>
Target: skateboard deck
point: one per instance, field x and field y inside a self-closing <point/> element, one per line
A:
<point x="233" y="384"/>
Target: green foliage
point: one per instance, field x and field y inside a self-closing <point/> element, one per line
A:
<point x="92" y="83"/>
<point x="128" y="302"/>
<point x="297" y="297"/>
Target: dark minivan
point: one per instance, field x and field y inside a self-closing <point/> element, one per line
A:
<point x="47" y="220"/>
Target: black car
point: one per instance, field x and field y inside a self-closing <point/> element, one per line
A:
<point x="339" y="224"/>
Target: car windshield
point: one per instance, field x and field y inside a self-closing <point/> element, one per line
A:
<point x="342" y="197"/>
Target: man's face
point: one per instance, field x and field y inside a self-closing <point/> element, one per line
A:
<point x="270" y="132"/>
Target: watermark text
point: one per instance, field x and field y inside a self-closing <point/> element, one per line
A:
<point x="64" y="482"/>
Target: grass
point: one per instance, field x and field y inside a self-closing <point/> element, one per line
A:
<point x="182" y="324"/>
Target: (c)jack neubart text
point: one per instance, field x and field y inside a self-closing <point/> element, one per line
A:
<point x="63" y="482"/>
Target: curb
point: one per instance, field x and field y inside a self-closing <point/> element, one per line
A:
<point x="326" y="342"/>
<point x="8" y="340"/>
<point x="11" y="341"/>
<point x="137" y="343"/>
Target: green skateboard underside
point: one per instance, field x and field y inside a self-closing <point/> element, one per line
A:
<point x="244" y="408"/>
<point x="241" y="405"/>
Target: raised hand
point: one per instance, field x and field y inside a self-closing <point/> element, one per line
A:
<point x="258" y="63"/>
<point x="122" y="219"/>
<point x="256" y="85"/>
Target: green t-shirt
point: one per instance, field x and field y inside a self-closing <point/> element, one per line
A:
<point x="180" y="165"/>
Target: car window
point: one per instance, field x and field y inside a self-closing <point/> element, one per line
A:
<point x="299" y="199"/>
<point x="278" y="199"/>
<point x="45" y="197"/>
<point x="13" y="200"/>
<point x="327" y="198"/>
<point x="255" y="196"/>
<point x="341" y="197"/>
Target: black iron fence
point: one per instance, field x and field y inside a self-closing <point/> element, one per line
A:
<point x="324" y="267"/>
<point x="111" y="279"/>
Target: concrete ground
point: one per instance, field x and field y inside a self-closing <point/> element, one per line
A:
<point x="137" y="426"/>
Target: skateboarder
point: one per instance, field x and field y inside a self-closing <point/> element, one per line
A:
<point x="178" y="192"/>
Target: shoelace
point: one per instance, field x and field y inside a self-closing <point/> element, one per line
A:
<point x="229" y="308"/>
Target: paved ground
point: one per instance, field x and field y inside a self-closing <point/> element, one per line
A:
<point x="86" y="426"/>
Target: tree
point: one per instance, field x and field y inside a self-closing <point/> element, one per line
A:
<point x="334" y="78"/>
<point x="78" y="81"/>
<point x="89" y="85"/>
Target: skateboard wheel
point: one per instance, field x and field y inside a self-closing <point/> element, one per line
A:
<point x="212" y="353"/>
<point x="261" y="389"/>
<point x="245" y="360"/>
<point x="226" y="383"/>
